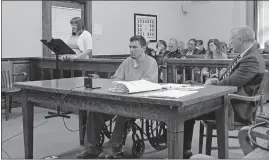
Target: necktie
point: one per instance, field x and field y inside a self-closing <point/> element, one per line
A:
<point x="229" y="69"/>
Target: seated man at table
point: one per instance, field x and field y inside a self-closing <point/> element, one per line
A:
<point x="246" y="72"/>
<point x="138" y="66"/>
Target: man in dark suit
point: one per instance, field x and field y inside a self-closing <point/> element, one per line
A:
<point x="246" y="72"/>
<point x="200" y="46"/>
<point x="192" y="50"/>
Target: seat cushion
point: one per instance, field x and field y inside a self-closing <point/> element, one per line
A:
<point x="10" y="90"/>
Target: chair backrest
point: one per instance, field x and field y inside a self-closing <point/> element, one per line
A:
<point x="265" y="85"/>
<point x="6" y="74"/>
<point x="264" y="90"/>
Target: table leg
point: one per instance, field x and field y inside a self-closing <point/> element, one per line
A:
<point x="222" y="130"/>
<point x="82" y="114"/>
<point x="175" y="139"/>
<point x="7" y="99"/>
<point x="28" y="121"/>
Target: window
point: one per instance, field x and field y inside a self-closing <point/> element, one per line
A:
<point x="56" y="19"/>
<point x="60" y="21"/>
<point x="263" y="22"/>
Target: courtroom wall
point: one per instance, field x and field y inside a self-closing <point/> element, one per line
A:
<point x="21" y="29"/>
<point x="22" y="23"/>
<point x="117" y="19"/>
<point x="213" y="19"/>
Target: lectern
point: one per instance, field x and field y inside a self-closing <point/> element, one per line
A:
<point x="59" y="48"/>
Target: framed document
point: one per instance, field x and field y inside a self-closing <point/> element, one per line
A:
<point x="146" y="26"/>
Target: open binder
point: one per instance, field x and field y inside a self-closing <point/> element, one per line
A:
<point x="134" y="86"/>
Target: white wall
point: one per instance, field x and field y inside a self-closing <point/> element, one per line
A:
<point x="22" y="23"/>
<point x="21" y="29"/>
<point x="213" y="19"/>
<point x="117" y="19"/>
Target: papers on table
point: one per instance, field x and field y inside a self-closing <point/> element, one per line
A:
<point x="185" y="87"/>
<point x="174" y="94"/>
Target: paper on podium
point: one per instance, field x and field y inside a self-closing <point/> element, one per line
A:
<point x="174" y="94"/>
<point x="185" y="87"/>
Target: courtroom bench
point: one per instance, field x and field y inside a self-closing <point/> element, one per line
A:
<point x="194" y="65"/>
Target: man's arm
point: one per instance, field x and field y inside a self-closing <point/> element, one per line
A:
<point x="243" y="74"/>
<point x="85" y="53"/>
<point x="152" y="73"/>
<point x="119" y="74"/>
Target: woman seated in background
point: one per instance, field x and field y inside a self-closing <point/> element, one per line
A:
<point x="266" y="47"/>
<point x="80" y="41"/>
<point x="224" y="47"/>
<point x="159" y="56"/>
<point x="230" y="50"/>
<point x="181" y="46"/>
<point x="161" y="51"/>
<point x="214" y="52"/>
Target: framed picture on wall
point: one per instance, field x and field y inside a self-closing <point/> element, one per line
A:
<point x="146" y="26"/>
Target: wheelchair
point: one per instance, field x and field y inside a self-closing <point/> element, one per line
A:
<point x="148" y="130"/>
<point x="153" y="131"/>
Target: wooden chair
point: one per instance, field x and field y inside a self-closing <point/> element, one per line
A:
<point x="233" y="125"/>
<point x="7" y="89"/>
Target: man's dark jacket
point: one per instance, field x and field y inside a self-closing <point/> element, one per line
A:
<point x="247" y="75"/>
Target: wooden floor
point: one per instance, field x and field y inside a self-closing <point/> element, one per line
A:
<point x="52" y="138"/>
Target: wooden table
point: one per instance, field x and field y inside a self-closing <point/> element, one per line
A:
<point x="172" y="111"/>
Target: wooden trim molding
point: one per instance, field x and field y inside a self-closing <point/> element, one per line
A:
<point x="88" y="16"/>
<point x="252" y="15"/>
<point x="46" y="25"/>
<point x="47" y="22"/>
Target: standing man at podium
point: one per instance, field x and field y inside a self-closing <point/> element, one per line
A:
<point x="80" y="41"/>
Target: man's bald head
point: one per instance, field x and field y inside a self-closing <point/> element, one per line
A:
<point x="246" y="33"/>
<point x="242" y="37"/>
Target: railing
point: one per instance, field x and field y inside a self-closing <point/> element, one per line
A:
<point x="190" y="67"/>
<point x="44" y="68"/>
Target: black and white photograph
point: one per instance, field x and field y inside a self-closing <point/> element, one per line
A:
<point x="147" y="26"/>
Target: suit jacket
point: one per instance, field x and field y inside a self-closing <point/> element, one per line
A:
<point x="202" y="51"/>
<point x="196" y="51"/>
<point x="247" y="75"/>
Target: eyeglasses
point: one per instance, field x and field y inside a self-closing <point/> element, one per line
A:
<point x="233" y="39"/>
